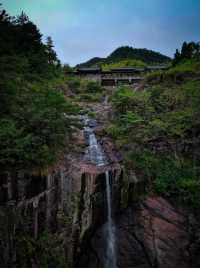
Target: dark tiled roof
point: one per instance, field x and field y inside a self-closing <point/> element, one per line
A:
<point x="89" y="70"/>
<point x="127" y="69"/>
<point x="158" y="67"/>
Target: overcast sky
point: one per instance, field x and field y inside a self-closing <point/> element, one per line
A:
<point x="82" y="29"/>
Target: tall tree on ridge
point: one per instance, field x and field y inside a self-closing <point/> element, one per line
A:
<point x="52" y="57"/>
<point x="22" y="19"/>
<point x="177" y="57"/>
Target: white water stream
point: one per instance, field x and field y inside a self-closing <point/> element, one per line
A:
<point x="96" y="154"/>
<point x="97" y="157"/>
<point x="110" y="252"/>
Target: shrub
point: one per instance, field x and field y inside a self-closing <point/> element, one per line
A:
<point x="74" y="84"/>
<point x="158" y="132"/>
<point x="93" y="87"/>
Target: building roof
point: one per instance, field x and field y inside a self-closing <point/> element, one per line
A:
<point x="128" y="69"/>
<point x="89" y="70"/>
<point x="158" y="67"/>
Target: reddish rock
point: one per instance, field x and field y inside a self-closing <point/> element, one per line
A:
<point x="152" y="234"/>
<point x="112" y="153"/>
<point x="165" y="234"/>
<point x="157" y="231"/>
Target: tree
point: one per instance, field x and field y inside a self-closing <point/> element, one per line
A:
<point x="196" y="48"/>
<point x="67" y="68"/>
<point x="4" y="17"/>
<point x="22" y="19"/>
<point x="177" y="57"/>
<point x="184" y="49"/>
<point x="188" y="49"/>
<point x="52" y="57"/>
<point x="33" y="138"/>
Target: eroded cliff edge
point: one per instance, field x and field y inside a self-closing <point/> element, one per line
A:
<point x="69" y="201"/>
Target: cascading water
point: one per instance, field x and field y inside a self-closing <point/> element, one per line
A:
<point x="97" y="157"/>
<point x="95" y="153"/>
<point x="111" y="252"/>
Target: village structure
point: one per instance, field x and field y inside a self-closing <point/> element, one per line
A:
<point x="116" y="76"/>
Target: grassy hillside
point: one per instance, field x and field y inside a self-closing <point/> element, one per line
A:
<point x="186" y="69"/>
<point x="158" y="131"/>
<point x="123" y="63"/>
<point x="145" y="55"/>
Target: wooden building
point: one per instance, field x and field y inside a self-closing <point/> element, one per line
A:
<point x="116" y="76"/>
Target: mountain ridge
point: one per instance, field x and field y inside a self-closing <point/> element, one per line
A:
<point x="127" y="52"/>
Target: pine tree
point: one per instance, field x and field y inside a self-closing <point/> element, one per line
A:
<point x="177" y="57"/>
<point x="184" y="49"/>
<point x="187" y="50"/>
<point x="52" y="57"/>
<point x="4" y="17"/>
<point x="22" y="19"/>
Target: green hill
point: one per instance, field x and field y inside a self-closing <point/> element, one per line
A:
<point x="123" y="63"/>
<point x="128" y="53"/>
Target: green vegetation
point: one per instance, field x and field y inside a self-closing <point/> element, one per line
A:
<point x="47" y="251"/>
<point x="188" y="51"/>
<point x="185" y="70"/>
<point x="33" y="126"/>
<point x="145" y="55"/>
<point x="123" y="63"/>
<point x="84" y="90"/>
<point x="128" y="53"/>
<point x="158" y="131"/>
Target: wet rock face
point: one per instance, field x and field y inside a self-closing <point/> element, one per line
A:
<point x="150" y="235"/>
<point x="93" y="208"/>
<point x="159" y="231"/>
<point x="29" y="206"/>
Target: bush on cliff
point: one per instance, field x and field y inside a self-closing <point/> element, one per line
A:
<point x="84" y="90"/>
<point x="159" y="131"/>
<point x="185" y="70"/>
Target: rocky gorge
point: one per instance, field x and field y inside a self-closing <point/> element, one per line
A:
<point x="99" y="164"/>
<point x="73" y="200"/>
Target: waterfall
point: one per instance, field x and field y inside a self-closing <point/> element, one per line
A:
<point x="97" y="156"/>
<point x="110" y="251"/>
<point x="95" y="153"/>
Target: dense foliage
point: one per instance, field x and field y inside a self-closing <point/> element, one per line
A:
<point x="33" y="127"/>
<point x="128" y="53"/>
<point x="145" y="55"/>
<point x="179" y="73"/>
<point x="159" y="132"/>
<point x="124" y="63"/>
<point x="82" y="90"/>
<point x="188" y="51"/>
<point x="46" y="252"/>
